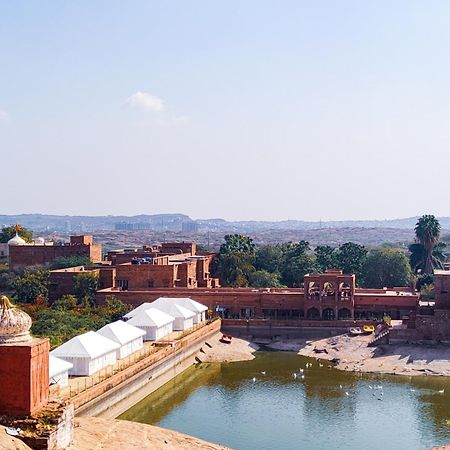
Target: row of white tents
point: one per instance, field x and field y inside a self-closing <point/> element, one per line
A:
<point x="90" y="352"/>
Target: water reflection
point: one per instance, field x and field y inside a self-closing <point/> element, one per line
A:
<point x="261" y="404"/>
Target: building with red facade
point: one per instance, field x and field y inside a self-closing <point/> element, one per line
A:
<point x="170" y="265"/>
<point x="328" y="296"/>
<point x="22" y="254"/>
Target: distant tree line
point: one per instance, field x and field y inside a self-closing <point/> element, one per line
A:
<point x="240" y="263"/>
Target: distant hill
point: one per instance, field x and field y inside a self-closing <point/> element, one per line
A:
<point x="173" y="222"/>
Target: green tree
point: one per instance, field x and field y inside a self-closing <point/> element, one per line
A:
<point x="66" y="302"/>
<point x="297" y="262"/>
<point x="114" y="308"/>
<point x="69" y="261"/>
<point x="8" y="233"/>
<point x="350" y="257"/>
<point x="237" y="244"/>
<point x="269" y="258"/>
<point x="264" y="279"/>
<point x="29" y="286"/>
<point x="64" y="320"/>
<point x="427" y="231"/>
<point x="85" y="286"/>
<point x="386" y="268"/>
<point x="424" y="280"/>
<point x="325" y="257"/>
<point x="235" y="260"/>
<point x="418" y="257"/>
<point x="6" y="278"/>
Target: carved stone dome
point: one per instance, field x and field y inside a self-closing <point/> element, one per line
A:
<point x="16" y="240"/>
<point x="15" y="324"/>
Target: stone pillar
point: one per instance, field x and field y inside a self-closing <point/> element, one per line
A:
<point x="24" y="377"/>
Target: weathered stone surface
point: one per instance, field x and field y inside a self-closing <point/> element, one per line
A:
<point x="103" y="434"/>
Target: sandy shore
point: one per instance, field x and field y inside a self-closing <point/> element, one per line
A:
<point x="237" y="350"/>
<point x="92" y="433"/>
<point x="353" y="354"/>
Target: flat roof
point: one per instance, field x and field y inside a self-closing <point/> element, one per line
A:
<point x="442" y="272"/>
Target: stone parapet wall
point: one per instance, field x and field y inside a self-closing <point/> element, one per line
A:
<point x="104" y="395"/>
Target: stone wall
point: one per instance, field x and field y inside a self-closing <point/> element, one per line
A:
<point x="30" y="255"/>
<point x="266" y="302"/>
<point x="24" y="386"/>
<point x="118" y="393"/>
<point x="435" y="327"/>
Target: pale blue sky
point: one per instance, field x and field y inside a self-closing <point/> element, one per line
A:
<point x="235" y="109"/>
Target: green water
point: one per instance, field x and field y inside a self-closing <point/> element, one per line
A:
<point x="221" y="403"/>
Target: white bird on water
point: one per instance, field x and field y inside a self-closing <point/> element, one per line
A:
<point x="320" y="365"/>
<point x="263" y="372"/>
<point x="295" y="376"/>
<point x="347" y="393"/>
<point x="254" y="379"/>
<point x="303" y="377"/>
<point x="340" y="386"/>
<point x="301" y="370"/>
<point x="441" y="391"/>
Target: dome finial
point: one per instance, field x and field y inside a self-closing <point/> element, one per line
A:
<point x="15" y="324"/>
<point x="5" y="303"/>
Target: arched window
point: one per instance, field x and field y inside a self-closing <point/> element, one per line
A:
<point x="313" y="313"/>
<point x="344" y="313"/>
<point x="328" y="314"/>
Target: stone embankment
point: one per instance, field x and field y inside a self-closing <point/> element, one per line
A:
<point x="353" y="354"/>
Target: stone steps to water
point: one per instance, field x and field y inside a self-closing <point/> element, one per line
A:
<point x="378" y="338"/>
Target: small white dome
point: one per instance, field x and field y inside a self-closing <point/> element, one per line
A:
<point x="16" y="240"/>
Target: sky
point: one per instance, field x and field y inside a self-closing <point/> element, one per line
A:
<point x="244" y="110"/>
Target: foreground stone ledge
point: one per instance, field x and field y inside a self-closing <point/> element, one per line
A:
<point x="105" y="434"/>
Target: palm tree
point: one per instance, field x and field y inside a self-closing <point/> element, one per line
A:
<point x="417" y="258"/>
<point x="427" y="232"/>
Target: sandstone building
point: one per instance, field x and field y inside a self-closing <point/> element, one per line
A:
<point x="328" y="296"/>
<point x="39" y="252"/>
<point x="170" y="265"/>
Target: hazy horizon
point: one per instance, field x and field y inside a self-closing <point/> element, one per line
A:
<point x="217" y="217"/>
<point x="255" y="110"/>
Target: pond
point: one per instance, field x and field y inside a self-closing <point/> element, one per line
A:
<point x="266" y="404"/>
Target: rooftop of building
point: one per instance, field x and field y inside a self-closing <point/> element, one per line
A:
<point x="442" y="272"/>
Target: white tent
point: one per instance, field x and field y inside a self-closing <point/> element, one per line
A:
<point x="88" y="352"/>
<point x="135" y="311"/>
<point x="155" y="323"/>
<point x="184" y="318"/>
<point x="128" y="337"/>
<point x="188" y="303"/>
<point x="58" y="371"/>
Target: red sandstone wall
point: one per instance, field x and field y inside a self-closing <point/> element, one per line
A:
<point x="24" y="377"/>
<point x="142" y="276"/>
<point x="442" y="290"/>
<point x="434" y="327"/>
<point x="30" y="255"/>
<point x="259" y="299"/>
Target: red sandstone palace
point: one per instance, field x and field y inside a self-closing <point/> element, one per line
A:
<point x="177" y="269"/>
